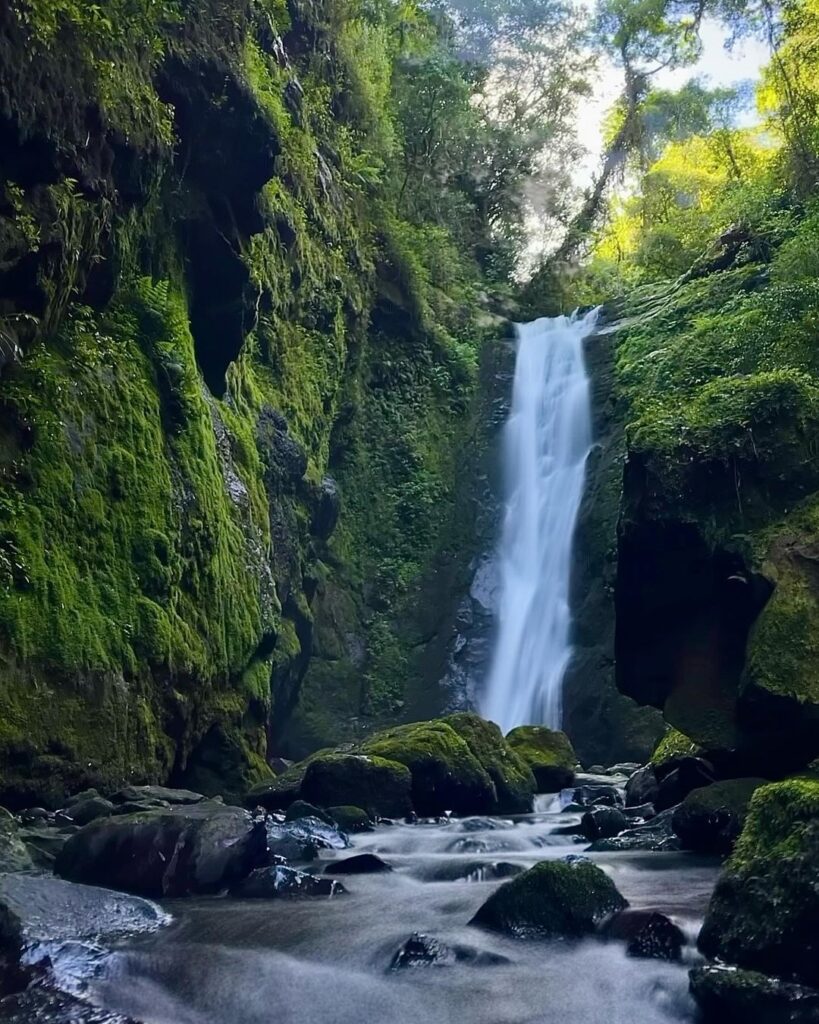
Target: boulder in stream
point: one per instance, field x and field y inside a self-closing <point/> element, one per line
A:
<point x="711" y="818"/>
<point x="426" y="951"/>
<point x="728" y="995"/>
<point x="548" y="752"/>
<point x="351" y="819"/>
<point x="193" y="848"/>
<point x="280" y="880"/>
<point x="446" y="775"/>
<point x="656" y="835"/>
<point x="680" y="776"/>
<point x="300" y="840"/>
<point x="554" y="899"/>
<point x="648" y="934"/>
<point x="378" y="784"/>
<point x="40" y="917"/>
<point x="603" y="823"/>
<point x="360" y="864"/>
<point x="642" y="787"/>
<point x="515" y="783"/>
<point x="765" y="908"/>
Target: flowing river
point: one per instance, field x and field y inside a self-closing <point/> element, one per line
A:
<point x="327" y="961"/>
<point x="546" y="442"/>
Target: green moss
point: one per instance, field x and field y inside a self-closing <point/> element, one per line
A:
<point x="380" y="786"/>
<point x="548" y="752"/>
<point x="446" y="776"/>
<point x="766" y="901"/>
<point x="554" y="899"/>
<point x="674" y="744"/>
<point x="510" y="772"/>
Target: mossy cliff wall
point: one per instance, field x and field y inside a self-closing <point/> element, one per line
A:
<point x="717" y="595"/>
<point x="230" y="404"/>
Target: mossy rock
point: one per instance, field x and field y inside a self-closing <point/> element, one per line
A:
<point x="446" y="775"/>
<point x="351" y="819"/>
<point x="674" y="744"/>
<point x="548" y="752"/>
<point x="280" y="791"/>
<point x="554" y="899"/>
<point x="764" y="910"/>
<point x="513" y="778"/>
<point x="726" y="995"/>
<point x="711" y="818"/>
<point x="378" y="785"/>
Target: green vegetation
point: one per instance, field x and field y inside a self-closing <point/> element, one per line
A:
<point x="766" y="899"/>
<point x="554" y="899"/>
<point x="548" y="753"/>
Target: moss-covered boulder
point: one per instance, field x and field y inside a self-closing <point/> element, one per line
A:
<point x="711" y="818"/>
<point x="764" y="911"/>
<point x="548" y="752"/>
<point x="278" y="792"/>
<point x="673" y="745"/>
<point x="554" y="899"/>
<point x="351" y="819"/>
<point x="726" y="995"/>
<point x="514" y="780"/>
<point x="446" y="775"/>
<point x="378" y="785"/>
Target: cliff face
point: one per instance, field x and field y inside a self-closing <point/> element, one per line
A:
<point x="230" y="417"/>
<point x="605" y="726"/>
<point x="716" y="591"/>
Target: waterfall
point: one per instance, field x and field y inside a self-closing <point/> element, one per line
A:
<point x="546" y="441"/>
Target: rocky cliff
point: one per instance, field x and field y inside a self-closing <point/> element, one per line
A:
<point x="232" y="399"/>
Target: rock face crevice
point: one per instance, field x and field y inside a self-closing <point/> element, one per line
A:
<point x="604" y="724"/>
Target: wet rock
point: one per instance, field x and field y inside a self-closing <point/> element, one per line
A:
<point x="279" y="765"/>
<point x="641" y="812"/>
<point x="13" y="853"/>
<point x="158" y="795"/>
<point x="642" y="787"/>
<point x="41" y="1005"/>
<point x="548" y="752"/>
<point x="711" y="818"/>
<point x="627" y="768"/>
<point x="89" y="809"/>
<point x="194" y="848"/>
<point x="510" y="772"/>
<point x="278" y="793"/>
<point x="41" y="915"/>
<point x="301" y="809"/>
<point x="684" y="775"/>
<point x="301" y="839"/>
<point x="609" y="796"/>
<point x="425" y="951"/>
<point x="34" y="814"/>
<point x="446" y="775"/>
<point x="361" y="864"/>
<point x="656" y="834"/>
<point x="554" y="899"/>
<point x="351" y="819"/>
<point x="603" y="823"/>
<point x="647" y="934"/>
<point x="728" y="995"/>
<point x="378" y="784"/>
<point x="43" y="844"/>
<point x="483" y="824"/>
<point x="765" y="907"/>
<point x="281" y="880"/>
<point x="471" y="871"/>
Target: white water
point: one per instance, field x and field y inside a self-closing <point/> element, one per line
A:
<point x="546" y="442"/>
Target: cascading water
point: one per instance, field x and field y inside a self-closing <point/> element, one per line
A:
<point x="547" y="439"/>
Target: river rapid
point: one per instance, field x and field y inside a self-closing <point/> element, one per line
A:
<point x="327" y="960"/>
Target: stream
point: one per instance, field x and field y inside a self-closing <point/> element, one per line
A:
<point x="313" y="961"/>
